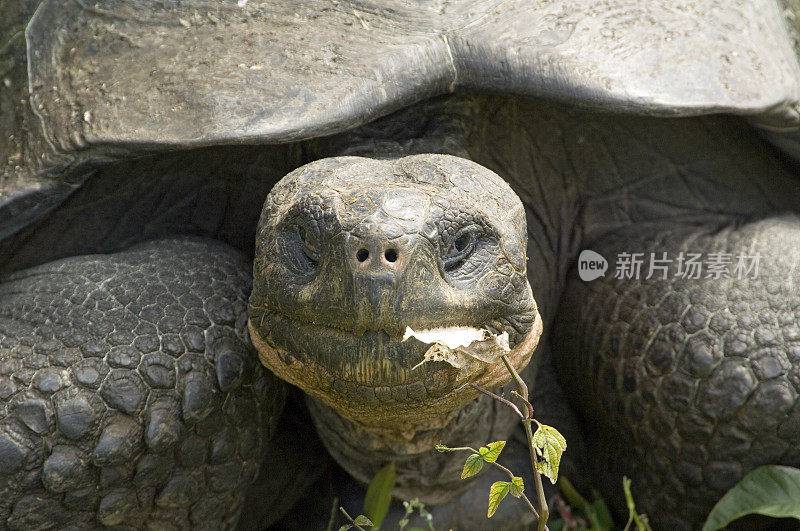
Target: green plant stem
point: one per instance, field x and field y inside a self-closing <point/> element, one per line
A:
<point x="499" y="398"/>
<point x="523" y="389"/>
<point x="544" y="512"/>
<point x="332" y="518"/>
<point x="537" y="478"/>
<point x="459" y="448"/>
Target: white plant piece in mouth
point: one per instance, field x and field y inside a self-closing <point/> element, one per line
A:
<point x="461" y="346"/>
<point x="451" y="336"/>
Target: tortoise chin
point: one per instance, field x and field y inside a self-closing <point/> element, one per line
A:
<point x="374" y="378"/>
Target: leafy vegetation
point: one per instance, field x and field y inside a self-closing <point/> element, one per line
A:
<point x="379" y="495"/>
<point x="359" y="522"/>
<point x="545" y="445"/>
<point x="595" y="514"/>
<point x="410" y="506"/>
<point x="770" y="490"/>
<point x="549" y="444"/>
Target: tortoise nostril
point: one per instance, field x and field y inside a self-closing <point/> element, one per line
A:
<point x="362" y="255"/>
<point x="390" y="255"/>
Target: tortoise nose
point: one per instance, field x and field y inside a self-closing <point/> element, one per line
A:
<point x="377" y="265"/>
<point x="378" y="255"/>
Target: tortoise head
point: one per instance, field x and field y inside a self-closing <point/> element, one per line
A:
<point x="352" y="251"/>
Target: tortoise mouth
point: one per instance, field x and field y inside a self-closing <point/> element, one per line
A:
<point x="370" y="358"/>
<point x="373" y="376"/>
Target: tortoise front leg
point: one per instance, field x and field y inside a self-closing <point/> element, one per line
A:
<point x="687" y="383"/>
<point x="129" y="394"/>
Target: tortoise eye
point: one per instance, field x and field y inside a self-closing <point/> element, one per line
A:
<point x="462" y="246"/>
<point x="308" y="248"/>
<point x="462" y="242"/>
<point x="298" y="252"/>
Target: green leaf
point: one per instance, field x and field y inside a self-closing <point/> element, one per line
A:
<point x="578" y="502"/>
<point x="363" y="521"/>
<point x="345" y="527"/>
<point x="472" y="466"/>
<point x="601" y="512"/>
<point x="549" y="445"/>
<point x="492" y="451"/>
<point x="497" y="492"/>
<point x="516" y="487"/>
<point x="442" y="448"/>
<point x="596" y="512"/>
<point x="771" y="490"/>
<point x="572" y="495"/>
<point x="379" y="495"/>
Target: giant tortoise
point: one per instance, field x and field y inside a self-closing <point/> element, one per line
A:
<point x="141" y="139"/>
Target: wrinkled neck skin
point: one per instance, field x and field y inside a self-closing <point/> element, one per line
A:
<point x="420" y="472"/>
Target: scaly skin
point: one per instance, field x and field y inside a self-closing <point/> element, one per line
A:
<point x="697" y="378"/>
<point x="129" y="392"/>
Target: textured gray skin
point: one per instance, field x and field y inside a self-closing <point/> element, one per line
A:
<point x="599" y="174"/>
<point x="129" y="392"/>
<point x="698" y="378"/>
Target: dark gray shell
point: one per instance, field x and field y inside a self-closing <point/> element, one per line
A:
<point x="91" y="82"/>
